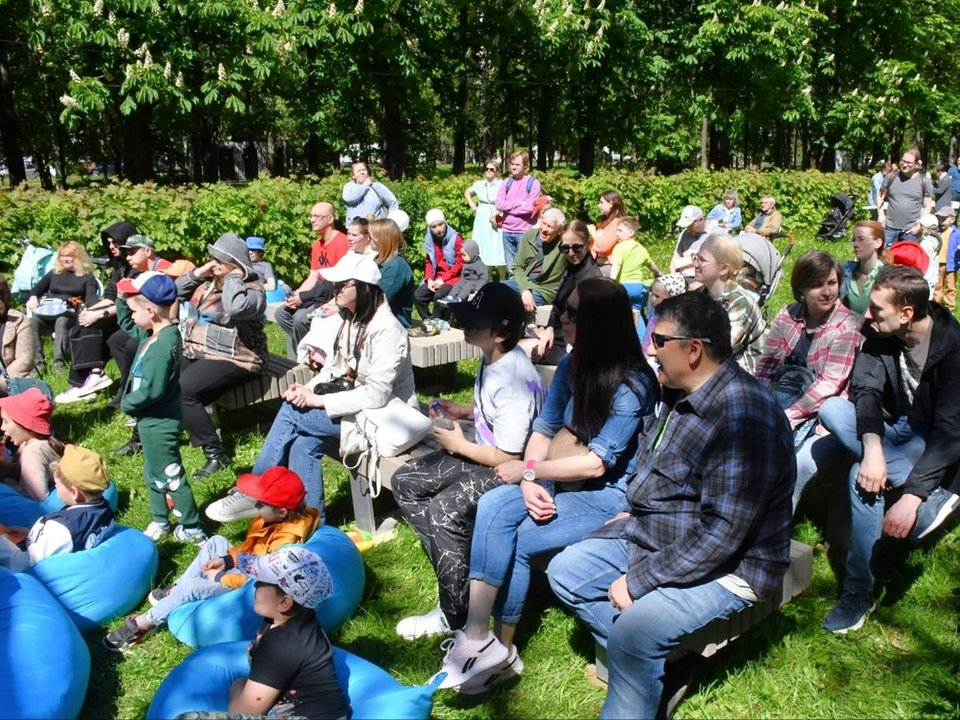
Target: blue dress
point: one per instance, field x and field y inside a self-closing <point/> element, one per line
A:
<point x="487" y="236"/>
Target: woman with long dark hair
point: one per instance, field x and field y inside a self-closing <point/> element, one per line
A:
<point x="370" y="365"/>
<point x="572" y="478"/>
<point x="604" y="233"/>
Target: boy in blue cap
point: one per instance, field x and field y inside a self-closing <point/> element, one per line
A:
<point x="255" y="249"/>
<point x="152" y="396"/>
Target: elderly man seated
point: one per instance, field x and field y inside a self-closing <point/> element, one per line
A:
<point x="768" y="221"/>
<point x="540" y="262"/>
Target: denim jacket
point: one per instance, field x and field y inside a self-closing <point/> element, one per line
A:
<point x="616" y="442"/>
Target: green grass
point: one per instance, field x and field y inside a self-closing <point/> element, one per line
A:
<point x="903" y="663"/>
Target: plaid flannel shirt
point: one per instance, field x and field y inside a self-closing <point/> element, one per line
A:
<point x="747" y="326"/>
<point x="832" y="354"/>
<point x="714" y="496"/>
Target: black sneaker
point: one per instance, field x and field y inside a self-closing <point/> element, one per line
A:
<point x="932" y="512"/>
<point x="850" y="613"/>
<point x="126" y="636"/>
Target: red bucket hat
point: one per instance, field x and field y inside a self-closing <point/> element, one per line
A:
<point x="30" y="409"/>
<point x="278" y="486"/>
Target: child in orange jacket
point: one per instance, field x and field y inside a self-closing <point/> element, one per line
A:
<point x="283" y="518"/>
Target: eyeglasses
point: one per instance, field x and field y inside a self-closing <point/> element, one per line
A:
<point x="660" y="340"/>
<point x="572" y="312"/>
<point x="572" y="248"/>
<point x="700" y="260"/>
<point x="341" y="286"/>
<point x="318" y="216"/>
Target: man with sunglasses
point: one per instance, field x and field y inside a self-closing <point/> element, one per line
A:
<point x="708" y="528"/>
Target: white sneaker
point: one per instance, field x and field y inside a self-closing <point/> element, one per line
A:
<point x="467" y="658"/>
<point x="71" y="395"/>
<point x="94" y="383"/>
<point x="235" y="506"/>
<point x="418" y="626"/>
<point x="483" y="682"/>
<point x="156" y="530"/>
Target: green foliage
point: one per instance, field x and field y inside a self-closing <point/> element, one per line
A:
<point x="184" y="221"/>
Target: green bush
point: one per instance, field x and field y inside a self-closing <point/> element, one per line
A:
<point x="183" y="220"/>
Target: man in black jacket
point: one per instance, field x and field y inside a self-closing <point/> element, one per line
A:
<point x="903" y="421"/>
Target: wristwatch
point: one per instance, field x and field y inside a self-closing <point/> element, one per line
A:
<point x="529" y="474"/>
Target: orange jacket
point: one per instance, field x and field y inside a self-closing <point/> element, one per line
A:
<point x="263" y="539"/>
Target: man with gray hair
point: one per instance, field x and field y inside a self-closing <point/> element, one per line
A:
<point x="540" y="262"/>
<point x="768" y="221"/>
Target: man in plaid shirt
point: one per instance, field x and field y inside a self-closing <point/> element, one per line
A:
<point x="708" y="531"/>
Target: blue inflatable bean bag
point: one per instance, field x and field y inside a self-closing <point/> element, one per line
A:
<point x="17" y="509"/>
<point x="106" y="582"/>
<point x="230" y="616"/>
<point x="202" y="682"/>
<point x="44" y="663"/>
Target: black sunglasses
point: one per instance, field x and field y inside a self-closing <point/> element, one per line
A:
<point x="572" y="312"/>
<point x="660" y="340"/>
<point x="360" y="221"/>
<point x="492" y="169"/>
<point x="572" y="248"/>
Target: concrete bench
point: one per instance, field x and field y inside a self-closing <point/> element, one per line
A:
<point x="447" y="347"/>
<point x="715" y="636"/>
<point x="277" y="377"/>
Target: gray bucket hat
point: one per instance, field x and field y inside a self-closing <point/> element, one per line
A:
<point x="231" y="249"/>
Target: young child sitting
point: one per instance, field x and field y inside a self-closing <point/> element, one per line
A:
<point x="474" y="276"/>
<point x="282" y="518"/>
<point x="255" y="249"/>
<point x="25" y="420"/>
<point x="85" y="521"/>
<point x="152" y="396"/>
<point x="631" y="264"/>
<point x="291" y="660"/>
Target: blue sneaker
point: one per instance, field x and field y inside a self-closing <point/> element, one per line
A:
<point x="932" y="512"/>
<point x="850" y="613"/>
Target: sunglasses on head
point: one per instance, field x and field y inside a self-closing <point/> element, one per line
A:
<point x="660" y="340"/>
<point x="578" y="248"/>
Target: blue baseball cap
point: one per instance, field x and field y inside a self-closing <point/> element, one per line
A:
<point x="154" y="286"/>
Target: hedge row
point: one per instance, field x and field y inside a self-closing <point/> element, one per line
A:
<point x="183" y="220"/>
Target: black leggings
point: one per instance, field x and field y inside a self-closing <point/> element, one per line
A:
<point x="201" y="383"/>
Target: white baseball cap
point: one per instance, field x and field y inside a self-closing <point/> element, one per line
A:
<point x="353" y="266"/>
<point x="690" y="214"/>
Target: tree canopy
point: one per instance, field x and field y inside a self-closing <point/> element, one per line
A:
<point x="154" y="89"/>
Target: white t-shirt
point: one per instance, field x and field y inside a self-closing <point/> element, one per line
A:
<point x="507" y="394"/>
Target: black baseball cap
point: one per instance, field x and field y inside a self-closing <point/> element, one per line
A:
<point x="494" y="306"/>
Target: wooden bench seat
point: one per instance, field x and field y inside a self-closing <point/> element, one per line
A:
<point x="447" y="347"/>
<point x="278" y="376"/>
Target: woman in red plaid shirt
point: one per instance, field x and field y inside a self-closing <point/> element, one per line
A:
<point x="818" y="333"/>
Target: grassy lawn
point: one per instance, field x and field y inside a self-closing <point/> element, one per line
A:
<point x="903" y="663"/>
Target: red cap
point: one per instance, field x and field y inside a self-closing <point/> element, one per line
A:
<point x="278" y="486"/>
<point x="908" y="252"/>
<point x="539" y="203"/>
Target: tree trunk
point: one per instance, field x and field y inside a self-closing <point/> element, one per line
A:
<point x="460" y="121"/>
<point x="391" y="129"/>
<point x="544" y="137"/>
<point x="9" y="125"/>
<point x="138" y="145"/>
<point x="587" y="154"/>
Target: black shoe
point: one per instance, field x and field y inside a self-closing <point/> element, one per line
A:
<point x="115" y="400"/>
<point x="131" y="448"/>
<point x="216" y="460"/>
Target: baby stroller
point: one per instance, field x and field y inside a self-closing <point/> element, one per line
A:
<point x="834" y="225"/>
<point x="763" y="264"/>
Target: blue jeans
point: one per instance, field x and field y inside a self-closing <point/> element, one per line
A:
<point x="639" y="639"/>
<point x="193" y="584"/>
<point x="511" y="244"/>
<point x="506" y="537"/>
<point x="817" y="454"/>
<point x="298" y="440"/>
<point x="537" y="297"/>
<point x="903" y="444"/>
<point x="892" y="235"/>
